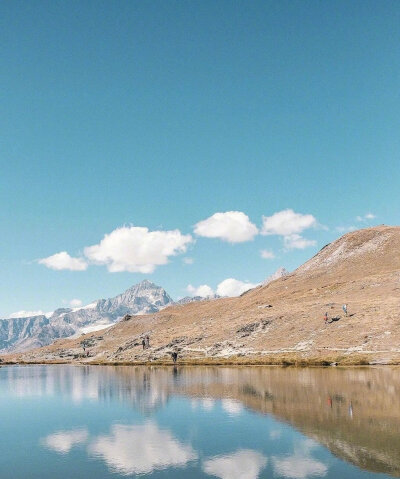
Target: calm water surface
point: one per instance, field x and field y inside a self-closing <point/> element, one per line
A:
<point x="198" y="422"/>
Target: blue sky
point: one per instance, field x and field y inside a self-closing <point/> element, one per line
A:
<point x="160" y="114"/>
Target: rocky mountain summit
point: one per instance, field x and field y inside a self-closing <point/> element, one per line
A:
<point x="280" y="322"/>
<point x="17" y="334"/>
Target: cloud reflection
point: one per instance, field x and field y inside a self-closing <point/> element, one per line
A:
<point x="63" y="441"/>
<point x="232" y="407"/>
<point x="300" y="465"/>
<point x="140" y="449"/>
<point x="243" y="464"/>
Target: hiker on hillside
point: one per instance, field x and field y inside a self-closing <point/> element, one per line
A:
<point x="147" y="341"/>
<point x="174" y="355"/>
<point x="144" y="344"/>
<point x="326" y="317"/>
<point x="344" y="307"/>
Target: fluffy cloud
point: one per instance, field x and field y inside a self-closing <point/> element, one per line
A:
<point x="64" y="441"/>
<point x="243" y="464"/>
<point x="231" y="226"/>
<point x="233" y="287"/>
<point x="25" y="314"/>
<point x="267" y="254"/>
<point x="287" y="222"/>
<point x="63" y="260"/>
<point x="296" y="241"/>
<point x="140" y="449"/>
<point x="136" y="249"/>
<point x="227" y="287"/>
<point x="203" y="290"/>
<point x="365" y="218"/>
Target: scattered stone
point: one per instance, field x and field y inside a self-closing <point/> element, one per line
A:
<point x="248" y="329"/>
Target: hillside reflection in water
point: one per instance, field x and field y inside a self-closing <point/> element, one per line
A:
<point x="198" y="422"/>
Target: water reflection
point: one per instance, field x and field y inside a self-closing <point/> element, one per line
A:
<point x="140" y="449"/>
<point x="63" y="441"/>
<point x="221" y="422"/>
<point x="242" y="464"/>
<point x="301" y="464"/>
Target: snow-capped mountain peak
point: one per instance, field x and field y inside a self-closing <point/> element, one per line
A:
<point x="24" y="333"/>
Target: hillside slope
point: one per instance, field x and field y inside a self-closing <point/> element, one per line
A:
<point x="281" y="321"/>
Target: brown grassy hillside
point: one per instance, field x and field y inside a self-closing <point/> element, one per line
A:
<point x="279" y="322"/>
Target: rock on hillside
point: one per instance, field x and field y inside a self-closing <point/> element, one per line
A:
<point x="25" y="333"/>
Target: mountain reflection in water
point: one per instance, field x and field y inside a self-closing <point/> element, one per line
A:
<point x="225" y="422"/>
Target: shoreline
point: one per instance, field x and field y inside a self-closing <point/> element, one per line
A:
<point x="287" y="361"/>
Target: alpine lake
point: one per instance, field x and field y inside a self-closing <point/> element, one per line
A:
<point x="72" y="422"/>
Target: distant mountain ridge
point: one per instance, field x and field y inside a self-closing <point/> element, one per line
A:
<point x="20" y="334"/>
<point x="17" y="334"/>
<point x="193" y="299"/>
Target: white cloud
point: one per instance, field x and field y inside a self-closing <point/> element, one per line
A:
<point x="136" y="249"/>
<point x="298" y="466"/>
<point x="234" y="287"/>
<point x="64" y="441"/>
<point x="365" y="218"/>
<point x="63" y="260"/>
<point x="75" y="303"/>
<point x="231" y="226"/>
<point x="243" y="464"/>
<point x="267" y="254"/>
<point x="287" y="222"/>
<point x="25" y="314"/>
<point x="140" y="449"/>
<point x="188" y="260"/>
<point x="203" y="290"/>
<point x="296" y="241"/>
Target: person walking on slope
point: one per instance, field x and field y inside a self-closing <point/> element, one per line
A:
<point x="326" y="317"/>
<point x="344" y="307"/>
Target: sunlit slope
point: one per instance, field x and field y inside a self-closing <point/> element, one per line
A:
<point x="280" y="321"/>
